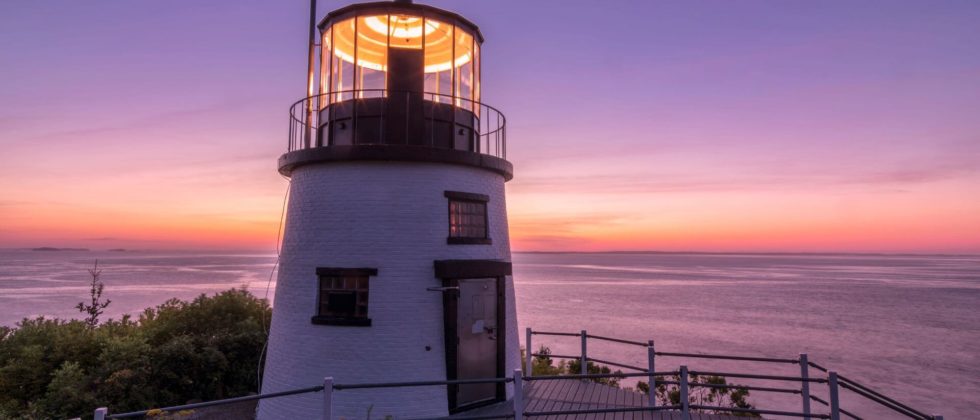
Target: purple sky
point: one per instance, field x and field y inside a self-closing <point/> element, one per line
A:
<point x="710" y="125"/>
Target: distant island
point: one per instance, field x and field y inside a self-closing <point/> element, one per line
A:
<point x="48" y="248"/>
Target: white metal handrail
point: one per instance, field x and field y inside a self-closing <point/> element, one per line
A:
<point x="519" y="410"/>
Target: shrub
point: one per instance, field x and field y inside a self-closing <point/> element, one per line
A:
<point x="177" y="352"/>
<point x="543" y="365"/>
<point x="721" y="394"/>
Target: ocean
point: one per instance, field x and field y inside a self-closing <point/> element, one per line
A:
<point x="906" y="325"/>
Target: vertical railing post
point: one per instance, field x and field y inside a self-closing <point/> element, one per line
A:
<point x="518" y="394"/>
<point x="651" y="354"/>
<point x="328" y="398"/>
<point x="685" y="401"/>
<point x="528" y="367"/>
<point x="100" y="413"/>
<point x="585" y="358"/>
<point x="805" y="389"/>
<point x="834" y="399"/>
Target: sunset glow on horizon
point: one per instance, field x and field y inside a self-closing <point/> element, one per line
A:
<point x="716" y="126"/>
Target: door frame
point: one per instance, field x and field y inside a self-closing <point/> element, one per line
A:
<point x="450" y="272"/>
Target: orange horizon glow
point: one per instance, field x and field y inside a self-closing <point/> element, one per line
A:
<point x="542" y="220"/>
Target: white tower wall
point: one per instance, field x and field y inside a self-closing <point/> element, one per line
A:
<point x="392" y="216"/>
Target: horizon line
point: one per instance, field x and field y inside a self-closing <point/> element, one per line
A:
<point x="270" y="253"/>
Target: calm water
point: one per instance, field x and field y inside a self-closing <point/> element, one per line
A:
<point x="907" y="325"/>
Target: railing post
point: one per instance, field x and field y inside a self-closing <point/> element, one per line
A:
<point x="652" y="397"/>
<point x="528" y="367"/>
<point x="101" y="412"/>
<point x="937" y="417"/>
<point x="518" y="394"/>
<point x="328" y="398"/>
<point x="834" y="400"/>
<point x="805" y="389"/>
<point x="685" y="403"/>
<point x="582" y="369"/>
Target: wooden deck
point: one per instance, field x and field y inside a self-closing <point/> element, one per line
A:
<point x="570" y="394"/>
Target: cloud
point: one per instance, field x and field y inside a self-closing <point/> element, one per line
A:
<point x="549" y="225"/>
<point x="752" y="176"/>
<point x="28" y="203"/>
<point x="163" y="119"/>
<point x="919" y="175"/>
<point x="531" y="243"/>
<point x="631" y="183"/>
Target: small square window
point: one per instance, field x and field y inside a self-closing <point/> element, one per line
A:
<point x="468" y="221"/>
<point x="343" y="296"/>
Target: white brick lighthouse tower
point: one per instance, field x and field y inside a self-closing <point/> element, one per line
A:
<point x="395" y="262"/>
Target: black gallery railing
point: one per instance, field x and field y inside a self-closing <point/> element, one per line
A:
<point x="381" y="116"/>
<point x="517" y="407"/>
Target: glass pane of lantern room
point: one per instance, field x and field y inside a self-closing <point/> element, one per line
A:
<point x="334" y="68"/>
<point x="476" y="77"/>
<point x="325" y="69"/>
<point x="438" y="60"/>
<point x="343" y="57"/>
<point x="372" y="55"/>
<point x="464" y="64"/>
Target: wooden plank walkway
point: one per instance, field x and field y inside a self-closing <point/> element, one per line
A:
<point x="571" y="394"/>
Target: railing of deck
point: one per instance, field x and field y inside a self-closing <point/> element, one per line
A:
<point x="834" y="382"/>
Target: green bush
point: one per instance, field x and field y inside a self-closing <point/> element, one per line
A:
<point x="721" y="394"/>
<point x="179" y="351"/>
<point x="543" y="365"/>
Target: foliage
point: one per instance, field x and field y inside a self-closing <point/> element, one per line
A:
<point x="177" y="352"/>
<point x="543" y="365"/>
<point x="718" y="394"/>
<point x="97" y="305"/>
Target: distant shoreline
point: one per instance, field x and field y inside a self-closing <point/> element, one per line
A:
<point x="760" y="253"/>
<point x="628" y="252"/>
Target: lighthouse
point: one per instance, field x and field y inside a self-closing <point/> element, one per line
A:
<point x="395" y="259"/>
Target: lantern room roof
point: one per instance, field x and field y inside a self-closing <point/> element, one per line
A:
<point x="399" y="7"/>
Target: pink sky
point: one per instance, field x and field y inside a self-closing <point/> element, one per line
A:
<point x="716" y="126"/>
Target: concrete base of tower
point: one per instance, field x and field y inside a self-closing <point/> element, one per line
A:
<point x="392" y="217"/>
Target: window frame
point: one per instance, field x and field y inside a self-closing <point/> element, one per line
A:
<point x="349" y="321"/>
<point x="466" y="197"/>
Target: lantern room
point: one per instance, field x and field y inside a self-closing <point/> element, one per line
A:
<point x="399" y="47"/>
<point x="395" y="74"/>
